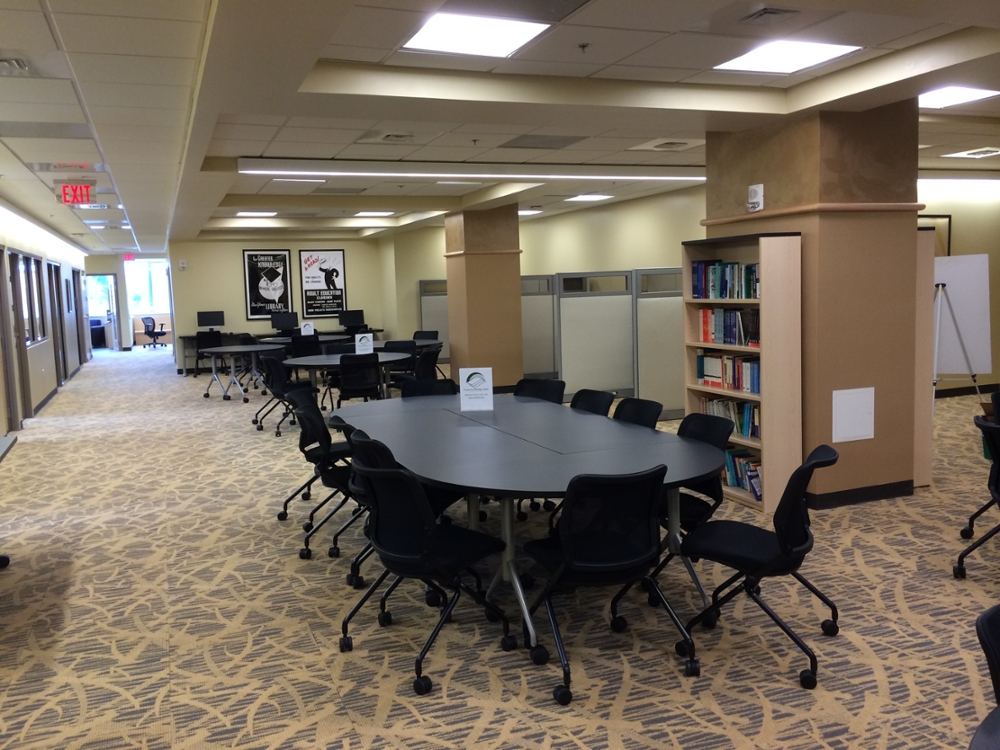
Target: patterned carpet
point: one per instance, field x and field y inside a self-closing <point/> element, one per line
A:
<point x="154" y="601"/>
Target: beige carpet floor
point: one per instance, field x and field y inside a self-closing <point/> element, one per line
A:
<point x="154" y="601"/>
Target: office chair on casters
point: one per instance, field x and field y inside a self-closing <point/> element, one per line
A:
<point x="425" y="335"/>
<point x="149" y="326"/>
<point x="359" y="377"/>
<point x="332" y="377"/>
<point x="277" y="381"/>
<point x="756" y="553"/>
<point x="205" y="340"/>
<point x="546" y="390"/>
<point x="987" y="736"/>
<point x="608" y="535"/>
<point x="640" y="411"/>
<point x="411" y="544"/>
<point x="991" y="435"/>
<point x="595" y="402"/>
<point x="404" y="369"/>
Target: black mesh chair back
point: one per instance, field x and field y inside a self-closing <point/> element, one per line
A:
<point x="791" y="517"/>
<point x="358" y="376"/>
<point x="427" y="358"/>
<point x="988" y="630"/>
<point x="640" y="411"/>
<point x="596" y="402"/>
<point x="207" y="339"/>
<point x="314" y="432"/>
<point x="347" y="348"/>
<point x="425" y="335"/>
<point x="246" y="339"/>
<point x="414" y="388"/>
<point x="405" y="346"/>
<point x="305" y="346"/>
<point x="149" y="328"/>
<point x="995" y="399"/>
<point x="547" y="390"/>
<point x="715" y="431"/>
<point x="609" y="523"/>
<point x="275" y="375"/>
<point x="991" y="436"/>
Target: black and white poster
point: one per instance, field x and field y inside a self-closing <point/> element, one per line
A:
<point x="323" y="283"/>
<point x="268" y="286"/>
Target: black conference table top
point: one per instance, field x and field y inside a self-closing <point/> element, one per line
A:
<point x="524" y="447"/>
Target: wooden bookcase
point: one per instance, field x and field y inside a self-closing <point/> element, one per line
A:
<point x="779" y="447"/>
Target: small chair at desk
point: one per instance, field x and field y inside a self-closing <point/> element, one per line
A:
<point x="149" y="325"/>
<point x="991" y="437"/>
<point x="204" y="340"/>
<point x="359" y="377"/>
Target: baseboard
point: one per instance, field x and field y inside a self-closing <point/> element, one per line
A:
<point x="859" y="495"/>
<point x="73" y="374"/>
<point x="6" y="443"/>
<point x="44" y="401"/>
<point x="126" y="348"/>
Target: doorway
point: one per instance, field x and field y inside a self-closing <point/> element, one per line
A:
<point x="77" y="305"/>
<point x="56" y="320"/>
<point x="7" y="348"/>
<point x="102" y="303"/>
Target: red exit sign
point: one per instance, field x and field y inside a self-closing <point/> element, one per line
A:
<point x="75" y="193"/>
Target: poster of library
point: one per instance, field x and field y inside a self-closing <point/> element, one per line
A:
<point x="268" y="288"/>
<point x="323" y="283"/>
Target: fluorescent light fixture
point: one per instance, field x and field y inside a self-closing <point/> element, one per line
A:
<point x="786" y="57"/>
<point x="949" y="96"/>
<point x="126" y="226"/>
<point x="458" y="182"/>
<point x="528" y="212"/>
<point x="590" y="197"/>
<point x="374" y="214"/>
<point x="295" y="180"/>
<point x="474" y="35"/>
<point x="483" y="176"/>
<point x="256" y="214"/>
<point x="977" y="153"/>
<point x="972" y="191"/>
<point x="98" y="228"/>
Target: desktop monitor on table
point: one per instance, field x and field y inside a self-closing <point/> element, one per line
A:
<point x="212" y="319"/>
<point x="285" y="321"/>
<point x="352" y="318"/>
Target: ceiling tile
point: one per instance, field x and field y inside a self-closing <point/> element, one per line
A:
<point x="236" y="148"/>
<point x="605" y="144"/>
<point x="293" y="150"/>
<point x="424" y="6"/>
<point x="26" y="31"/>
<point x="277" y="120"/>
<point x="382" y="28"/>
<point x="164" y="71"/>
<point x="728" y="21"/>
<point x="318" y="135"/>
<point x="445" y="153"/>
<point x="129" y="36"/>
<point x="54" y="149"/>
<point x="135" y="95"/>
<point x="137" y="116"/>
<point x="20" y="5"/>
<point x="354" y="54"/>
<point x="459" y="139"/>
<point x="375" y="151"/>
<point x="72" y="113"/>
<point x="36" y="91"/>
<point x="732" y="78"/>
<point x="495" y="127"/>
<point x="342" y="123"/>
<point x="125" y="152"/>
<point x="533" y="68"/>
<point x="233" y="132"/>
<point x="646" y="15"/>
<point x="177" y="10"/>
<point x="287" y="188"/>
<point x="447" y="62"/>
<point x="862" y="29"/>
<point x="568" y="157"/>
<point x="513" y="155"/>
<point x="922" y="36"/>
<point x="641" y="73"/>
<point x="621" y="157"/>
<point x="687" y="50"/>
<point x="153" y="133"/>
<point x="603" y="46"/>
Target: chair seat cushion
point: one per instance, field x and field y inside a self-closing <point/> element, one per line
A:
<point x="741" y="546"/>
<point x="548" y="553"/>
<point x="338" y="452"/>
<point x="453" y="548"/>
<point x="335" y="476"/>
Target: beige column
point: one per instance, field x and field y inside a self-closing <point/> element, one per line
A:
<point x="848" y="182"/>
<point x="483" y="262"/>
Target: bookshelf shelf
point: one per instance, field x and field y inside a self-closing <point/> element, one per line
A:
<point x="770" y="266"/>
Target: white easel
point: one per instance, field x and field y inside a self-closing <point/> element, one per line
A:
<point x="941" y="293"/>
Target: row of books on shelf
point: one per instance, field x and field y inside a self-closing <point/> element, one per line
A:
<point x="715" y="279"/>
<point x="745" y="415"/>
<point x="743" y="470"/>
<point x="739" y="372"/>
<point x="735" y="327"/>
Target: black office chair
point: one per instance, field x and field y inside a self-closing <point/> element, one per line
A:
<point x="426" y="367"/>
<point x="987" y="736"/>
<point x="991" y="436"/>
<point x="411" y="544"/>
<point x="608" y="535"/>
<point x="425" y="335"/>
<point x="640" y="411"/>
<point x="403" y="369"/>
<point x="547" y="390"/>
<point x="756" y="553"/>
<point x="596" y="402"/>
<point x="205" y="340"/>
<point x="359" y="377"/>
<point x="969" y="530"/>
<point x="331" y="378"/>
<point x="413" y="388"/>
<point x="304" y="346"/>
<point x="279" y="385"/>
<point x="149" y="326"/>
<point x="329" y="462"/>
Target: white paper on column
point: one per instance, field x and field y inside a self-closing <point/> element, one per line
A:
<point x="853" y="415"/>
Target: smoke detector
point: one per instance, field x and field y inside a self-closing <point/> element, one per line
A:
<point x="668" y="144"/>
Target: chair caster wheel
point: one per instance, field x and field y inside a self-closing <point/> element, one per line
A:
<point x="263" y="391"/>
<point x="306" y="496"/>
<point x="246" y="400"/>
<point x="482" y="515"/>
<point x="645" y="585"/>
<point x="540" y="655"/>
<point x="305" y="553"/>
<point x="521" y="516"/>
<point x="385" y="619"/>
<point x="830" y="627"/>
<point x="692" y="668"/>
<point x="282" y="515"/>
<point x="277" y="433"/>
<point x="307" y="526"/>
<point x="492" y="617"/>
<point x="619" y="624"/>
<point x="653" y="600"/>
<point x="527" y="581"/>
<point x="422" y="685"/>
<point x="333" y="551"/>
<point x="346" y="644"/>
<point x="359" y="582"/>
<point x="253" y="421"/>
<point x="548" y="506"/>
<point x="681" y="648"/>
<point x="710" y="621"/>
<point x="432" y="598"/>
<point x="508" y="642"/>
<point x="349" y="579"/>
<point x="260" y="428"/>
<point x="205" y="395"/>
<point x="225" y="397"/>
<point x="562" y="695"/>
<point x="534" y="505"/>
<point x="4" y="561"/>
<point x="958" y="571"/>
<point x="807" y="679"/>
<point x="966" y="532"/>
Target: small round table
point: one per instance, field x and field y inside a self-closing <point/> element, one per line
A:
<point x="238" y="351"/>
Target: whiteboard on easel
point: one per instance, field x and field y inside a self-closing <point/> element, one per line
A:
<point x="965" y="314"/>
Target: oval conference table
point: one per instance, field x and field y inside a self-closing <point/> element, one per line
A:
<point x="527" y="448"/>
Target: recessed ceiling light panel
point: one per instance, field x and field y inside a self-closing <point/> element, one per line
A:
<point x="474" y="35"/>
<point x="374" y="214"/>
<point x="786" y="57"/>
<point x="528" y="212"/>
<point x="590" y="197"/>
<point x="296" y="180"/>
<point x="976" y="153"/>
<point x="256" y="214"/>
<point x="949" y="96"/>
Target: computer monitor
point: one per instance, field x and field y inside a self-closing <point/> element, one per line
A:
<point x="285" y="321"/>
<point x="352" y="318"/>
<point x="212" y="319"/>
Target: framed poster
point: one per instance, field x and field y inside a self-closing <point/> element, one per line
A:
<point x="267" y="283"/>
<point x="323" y="283"/>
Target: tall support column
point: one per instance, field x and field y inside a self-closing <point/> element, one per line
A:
<point x="848" y="182"/>
<point x="483" y="262"/>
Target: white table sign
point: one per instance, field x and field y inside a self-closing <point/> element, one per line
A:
<point x="364" y="343"/>
<point x="307" y="329"/>
<point x="476" y="388"/>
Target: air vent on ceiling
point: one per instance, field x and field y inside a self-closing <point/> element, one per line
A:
<point x="768" y="15"/>
<point x="14" y="66"/>
<point x="543" y="141"/>
<point x="397" y="138"/>
<point x="63" y="166"/>
<point x="668" y="144"/>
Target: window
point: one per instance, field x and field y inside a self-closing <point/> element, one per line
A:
<point x="148" y="290"/>
<point x="29" y="280"/>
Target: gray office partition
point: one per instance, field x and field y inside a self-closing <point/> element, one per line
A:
<point x="594" y="328"/>
<point x="434" y="311"/>
<point x="538" y="326"/>
<point x="658" y="298"/>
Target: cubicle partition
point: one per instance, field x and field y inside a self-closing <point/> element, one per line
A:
<point x="659" y="337"/>
<point x="434" y="311"/>
<point x="595" y="331"/>
<point x="538" y="326"/>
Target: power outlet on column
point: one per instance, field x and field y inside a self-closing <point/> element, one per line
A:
<point x="755" y="198"/>
<point x="182" y="264"/>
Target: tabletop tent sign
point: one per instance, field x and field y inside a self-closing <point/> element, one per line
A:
<point x="476" y="388"/>
<point x="364" y="343"/>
